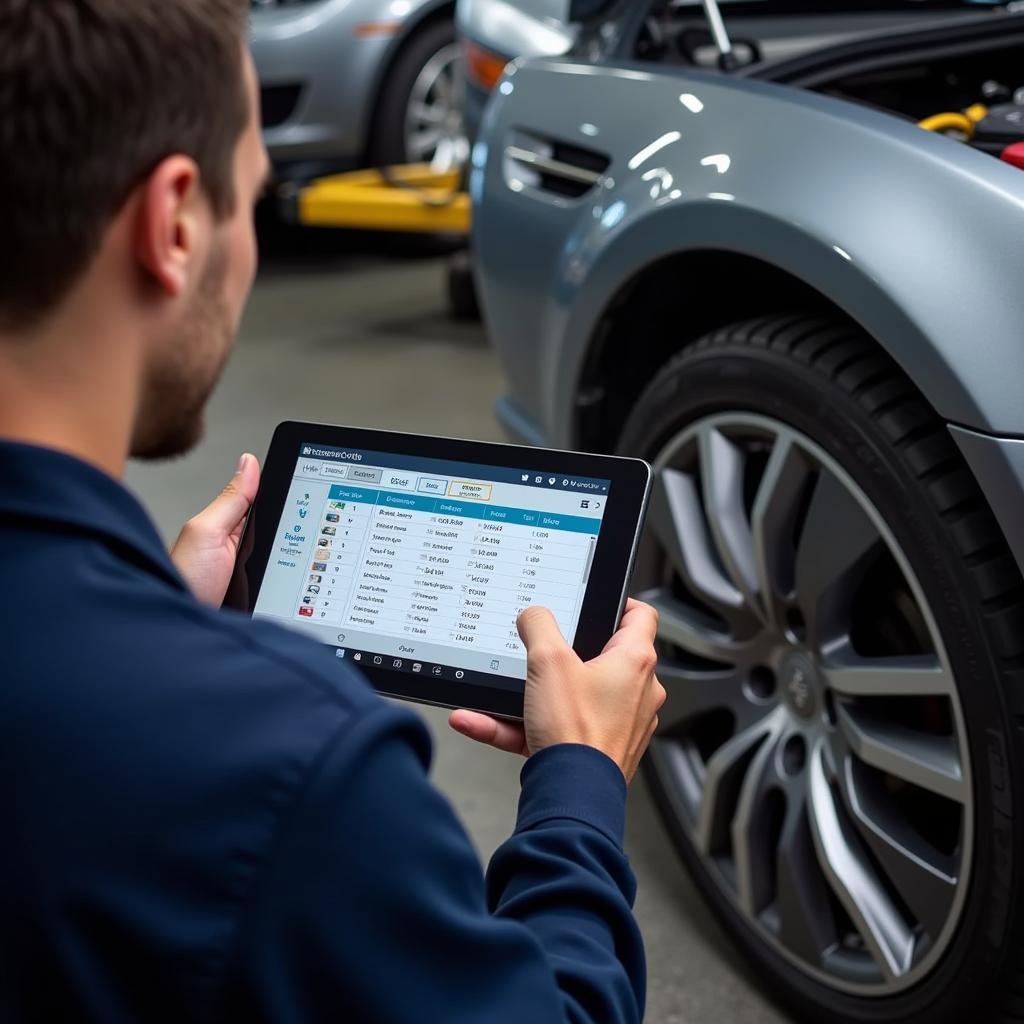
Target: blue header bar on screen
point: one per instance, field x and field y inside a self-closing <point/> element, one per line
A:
<point x="445" y="508"/>
<point x="525" y="477"/>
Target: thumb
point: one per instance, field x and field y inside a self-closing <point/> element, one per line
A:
<point x="538" y="629"/>
<point x="232" y="505"/>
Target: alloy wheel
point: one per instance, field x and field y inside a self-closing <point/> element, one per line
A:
<point x="812" y="745"/>
<point x="434" y="128"/>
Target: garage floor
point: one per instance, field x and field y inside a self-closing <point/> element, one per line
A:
<point x="340" y="330"/>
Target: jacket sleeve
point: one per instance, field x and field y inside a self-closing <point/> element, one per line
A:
<point x="372" y="905"/>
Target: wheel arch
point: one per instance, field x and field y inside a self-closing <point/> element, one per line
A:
<point x="615" y="371"/>
<point x="685" y="271"/>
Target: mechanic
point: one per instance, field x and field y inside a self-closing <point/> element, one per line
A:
<point x="207" y="818"/>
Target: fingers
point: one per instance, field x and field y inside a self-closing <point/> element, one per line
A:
<point x="494" y="732"/>
<point x="538" y="628"/>
<point x="226" y="512"/>
<point x="638" y="628"/>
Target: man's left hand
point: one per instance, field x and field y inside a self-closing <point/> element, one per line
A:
<point x="208" y="543"/>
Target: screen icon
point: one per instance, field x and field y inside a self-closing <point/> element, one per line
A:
<point x="551" y="481"/>
<point x="437" y="670"/>
<point x="526" y="478"/>
<point x="416" y="666"/>
<point x="357" y="656"/>
<point x="397" y="663"/>
<point x="494" y="663"/>
<point x="312" y="589"/>
<point x="377" y="659"/>
<point x="584" y="503"/>
<point x="340" y="652"/>
<point x="459" y="674"/>
<point x="341" y="638"/>
<point x="296" y="528"/>
<point x="538" y="479"/>
<point x="303" y="512"/>
<point x="320" y="566"/>
<point x="565" y="483"/>
<point x="306" y="612"/>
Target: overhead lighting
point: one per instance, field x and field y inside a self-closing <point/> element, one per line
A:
<point x="656" y="146"/>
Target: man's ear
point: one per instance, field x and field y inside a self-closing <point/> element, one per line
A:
<point x="168" y="225"/>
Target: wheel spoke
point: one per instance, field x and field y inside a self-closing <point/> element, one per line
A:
<point x="849" y="873"/>
<point x="691" y="693"/>
<point x="423" y="142"/>
<point x="723" y="778"/>
<point x="850" y="675"/>
<point x="800" y="892"/>
<point x="722" y="466"/>
<point x="750" y="828"/>
<point x="922" y="759"/>
<point x="924" y="877"/>
<point x="444" y="87"/>
<point x="838" y="536"/>
<point x="688" y="628"/>
<point x="677" y="518"/>
<point x="772" y="523"/>
<point x="426" y="113"/>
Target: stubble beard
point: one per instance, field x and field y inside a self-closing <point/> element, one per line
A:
<point x="172" y="418"/>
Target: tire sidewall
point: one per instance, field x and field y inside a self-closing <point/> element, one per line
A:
<point x="724" y="378"/>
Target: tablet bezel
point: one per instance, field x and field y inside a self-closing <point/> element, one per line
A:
<point x="610" y="572"/>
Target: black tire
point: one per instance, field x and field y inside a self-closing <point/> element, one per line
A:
<point x="388" y="140"/>
<point x="832" y="382"/>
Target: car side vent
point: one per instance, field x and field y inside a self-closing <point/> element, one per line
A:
<point x="551" y="165"/>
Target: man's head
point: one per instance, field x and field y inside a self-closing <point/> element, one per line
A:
<point x="130" y="160"/>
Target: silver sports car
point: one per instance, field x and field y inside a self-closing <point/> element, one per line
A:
<point x="758" y="269"/>
<point x="354" y="83"/>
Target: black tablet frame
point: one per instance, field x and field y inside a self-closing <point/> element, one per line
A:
<point x="610" y="573"/>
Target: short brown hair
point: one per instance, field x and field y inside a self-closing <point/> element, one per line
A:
<point x="93" y="95"/>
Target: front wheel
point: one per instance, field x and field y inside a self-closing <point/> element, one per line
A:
<point x="841" y="638"/>
<point x="420" y="115"/>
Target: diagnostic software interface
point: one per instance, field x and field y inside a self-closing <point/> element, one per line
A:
<point x="423" y="565"/>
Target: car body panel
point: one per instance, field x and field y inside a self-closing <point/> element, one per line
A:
<point x="316" y="45"/>
<point x="945" y="212"/>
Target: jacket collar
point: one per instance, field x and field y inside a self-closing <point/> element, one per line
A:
<point x="60" y="493"/>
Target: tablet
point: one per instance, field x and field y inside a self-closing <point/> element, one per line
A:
<point x="413" y="556"/>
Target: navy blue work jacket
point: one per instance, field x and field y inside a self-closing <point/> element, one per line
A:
<point x="206" y="818"/>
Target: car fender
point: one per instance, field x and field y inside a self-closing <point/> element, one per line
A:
<point x="917" y="238"/>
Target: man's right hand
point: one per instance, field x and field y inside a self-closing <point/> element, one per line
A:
<point x="610" y="703"/>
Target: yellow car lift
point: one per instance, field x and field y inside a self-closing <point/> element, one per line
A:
<point x="407" y="198"/>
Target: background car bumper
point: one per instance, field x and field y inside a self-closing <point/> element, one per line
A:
<point x="319" y="66"/>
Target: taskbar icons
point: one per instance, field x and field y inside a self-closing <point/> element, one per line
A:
<point x="366" y="658"/>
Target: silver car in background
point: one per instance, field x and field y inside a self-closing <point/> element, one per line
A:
<point x="357" y="83"/>
<point x="806" y="311"/>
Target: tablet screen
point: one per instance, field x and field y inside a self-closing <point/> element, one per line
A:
<point x="422" y="565"/>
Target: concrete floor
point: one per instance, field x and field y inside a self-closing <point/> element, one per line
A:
<point x="340" y="334"/>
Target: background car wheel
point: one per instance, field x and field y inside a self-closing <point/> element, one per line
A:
<point x="419" y="118"/>
<point x="842" y="642"/>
